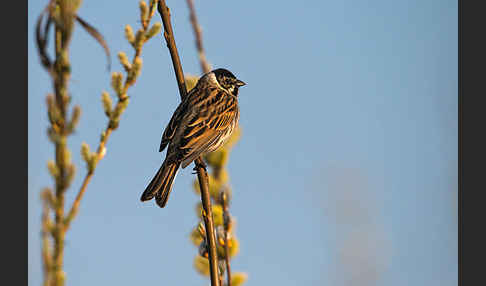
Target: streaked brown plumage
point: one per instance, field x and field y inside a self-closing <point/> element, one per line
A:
<point x="200" y="124"/>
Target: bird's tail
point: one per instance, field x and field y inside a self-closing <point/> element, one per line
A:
<point x="161" y="184"/>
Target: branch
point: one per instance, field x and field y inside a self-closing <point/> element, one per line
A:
<point x="226" y="225"/>
<point x="171" y="45"/>
<point x="205" y="67"/>
<point x="199" y="164"/>
<point x="133" y="70"/>
<point x="61" y="14"/>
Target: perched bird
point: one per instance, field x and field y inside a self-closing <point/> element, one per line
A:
<point x="202" y="122"/>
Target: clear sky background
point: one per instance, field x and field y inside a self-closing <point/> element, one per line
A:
<point x="346" y="171"/>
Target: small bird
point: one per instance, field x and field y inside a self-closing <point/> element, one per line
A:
<point x="202" y="122"/>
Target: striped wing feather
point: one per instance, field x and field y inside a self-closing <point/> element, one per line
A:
<point x="176" y="118"/>
<point x="211" y="122"/>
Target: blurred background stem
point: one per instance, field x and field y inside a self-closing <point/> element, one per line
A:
<point x="62" y="14"/>
<point x="216" y="160"/>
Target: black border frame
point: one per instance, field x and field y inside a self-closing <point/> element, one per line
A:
<point x="14" y="142"/>
<point x="471" y="142"/>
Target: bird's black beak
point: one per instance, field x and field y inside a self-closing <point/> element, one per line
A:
<point x="240" y="83"/>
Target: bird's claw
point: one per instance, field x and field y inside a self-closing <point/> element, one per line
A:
<point x="199" y="164"/>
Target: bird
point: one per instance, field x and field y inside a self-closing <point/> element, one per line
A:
<point x="203" y="122"/>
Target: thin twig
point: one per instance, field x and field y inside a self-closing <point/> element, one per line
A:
<point x="226" y="218"/>
<point x="171" y="45"/>
<point x="205" y="67"/>
<point x="100" y="151"/>
<point x="110" y="127"/>
<point x="227" y="259"/>
<point x="77" y="201"/>
<point x="63" y="170"/>
<point x="199" y="164"/>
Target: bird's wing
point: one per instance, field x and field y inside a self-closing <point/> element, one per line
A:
<point x="175" y="120"/>
<point x="212" y="116"/>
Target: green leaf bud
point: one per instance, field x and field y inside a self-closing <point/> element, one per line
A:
<point x="238" y="278"/>
<point x="154" y="30"/>
<point x="107" y="103"/>
<point x="117" y="82"/>
<point x="85" y="152"/>
<point x="143" y="11"/>
<point x="75" y="118"/>
<point x="196" y="237"/>
<point x="124" y="61"/>
<point x="129" y="34"/>
<point x="53" y="169"/>
<point x="139" y="39"/>
<point x="217" y="215"/>
<point x="202" y="265"/>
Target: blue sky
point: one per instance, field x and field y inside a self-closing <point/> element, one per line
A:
<point x="346" y="171"/>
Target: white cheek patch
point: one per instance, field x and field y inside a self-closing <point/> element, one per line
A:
<point x="212" y="79"/>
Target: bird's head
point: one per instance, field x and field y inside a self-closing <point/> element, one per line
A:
<point x="228" y="81"/>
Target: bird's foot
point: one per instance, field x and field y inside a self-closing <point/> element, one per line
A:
<point x="199" y="164"/>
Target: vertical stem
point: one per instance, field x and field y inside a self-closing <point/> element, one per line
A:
<point x="61" y="76"/>
<point x="199" y="164"/>
<point x="226" y="219"/>
<point x="227" y="260"/>
<point x="60" y="82"/>
<point x="202" y="176"/>
<point x="205" y="67"/>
